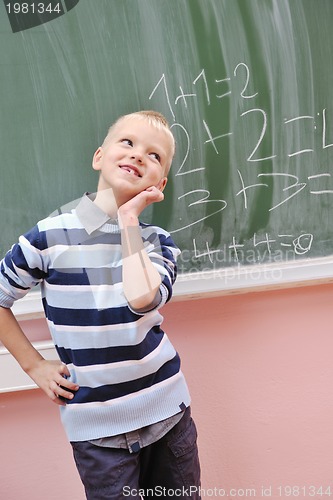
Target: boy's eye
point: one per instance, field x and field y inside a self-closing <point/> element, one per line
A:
<point x="127" y="141"/>
<point x="156" y="156"/>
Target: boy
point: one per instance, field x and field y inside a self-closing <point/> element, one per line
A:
<point x="104" y="275"/>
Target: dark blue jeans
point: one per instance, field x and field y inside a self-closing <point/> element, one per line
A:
<point x="165" y="469"/>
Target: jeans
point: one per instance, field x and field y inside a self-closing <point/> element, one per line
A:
<point x="165" y="469"/>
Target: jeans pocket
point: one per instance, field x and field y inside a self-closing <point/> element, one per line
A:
<point x="186" y="438"/>
<point x="183" y="446"/>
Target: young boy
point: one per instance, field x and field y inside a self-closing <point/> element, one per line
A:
<point x="104" y="276"/>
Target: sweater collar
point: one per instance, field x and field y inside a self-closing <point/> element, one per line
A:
<point x="90" y="215"/>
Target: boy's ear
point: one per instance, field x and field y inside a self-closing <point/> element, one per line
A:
<point x="161" y="185"/>
<point x="96" y="159"/>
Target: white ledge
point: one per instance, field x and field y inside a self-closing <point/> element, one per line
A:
<point x="256" y="278"/>
<point x="224" y="281"/>
<point x="13" y="378"/>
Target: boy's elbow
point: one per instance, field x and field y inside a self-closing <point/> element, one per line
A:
<point x="146" y="302"/>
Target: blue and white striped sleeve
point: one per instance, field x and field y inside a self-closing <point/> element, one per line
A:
<point x="163" y="253"/>
<point x="22" y="268"/>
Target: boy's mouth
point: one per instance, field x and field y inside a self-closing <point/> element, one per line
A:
<point x="131" y="169"/>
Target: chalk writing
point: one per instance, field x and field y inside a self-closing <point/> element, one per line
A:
<point x="246" y="82"/>
<point x="180" y="171"/>
<point x="198" y="202"/>
<point x="298" y="136"/>
<point x="324" y="131"/>
<point x="261" y="248"/>
<point x="213" y="139"/>
<point x="262" y="133"/>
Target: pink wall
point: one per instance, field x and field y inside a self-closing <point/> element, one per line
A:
<point x="260" y="371"/>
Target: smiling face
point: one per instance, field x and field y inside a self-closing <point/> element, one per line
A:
<point x="135" y="155"/>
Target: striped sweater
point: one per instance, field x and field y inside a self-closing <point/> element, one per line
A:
<point x="127" y="369"/>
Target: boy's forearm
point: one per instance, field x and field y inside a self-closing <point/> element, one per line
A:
<point x="48" y="375"/>
<point x="13" y="338"/>
<point x="141" y="280"/>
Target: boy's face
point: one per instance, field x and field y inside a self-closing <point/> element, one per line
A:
<point x="135" y="156"/>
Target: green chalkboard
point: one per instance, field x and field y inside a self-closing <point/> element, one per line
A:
<point x="247" y="86"/>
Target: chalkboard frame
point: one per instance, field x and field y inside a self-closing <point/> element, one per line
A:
<point x="201" y="185"/>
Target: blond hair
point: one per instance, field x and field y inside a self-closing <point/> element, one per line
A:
<point x="155" y="119"/>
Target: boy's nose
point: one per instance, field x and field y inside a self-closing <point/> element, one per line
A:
<point x="137" y="157"/>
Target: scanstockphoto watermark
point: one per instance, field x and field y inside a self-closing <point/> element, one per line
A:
<point x="188" y="492"/>
<point x="226" y="256"/>
<point x="229" y="270"/>
<point x="239" y="273"/>
<point x="225" y="267"/>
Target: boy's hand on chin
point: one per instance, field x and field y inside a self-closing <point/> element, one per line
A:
<point x="136" y="205"/>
